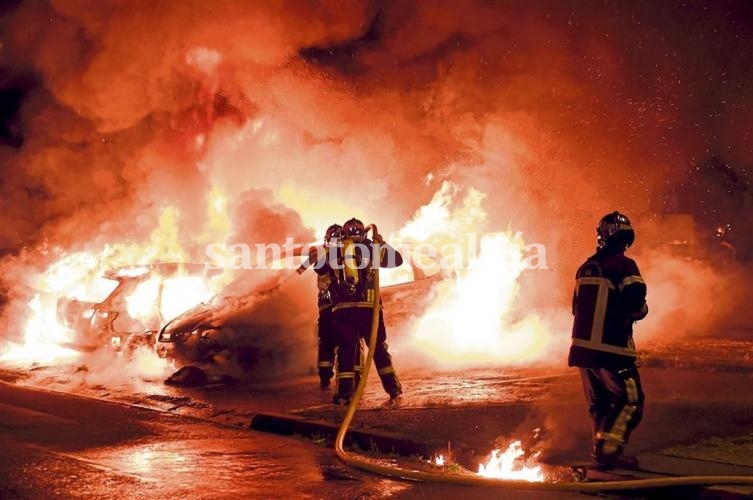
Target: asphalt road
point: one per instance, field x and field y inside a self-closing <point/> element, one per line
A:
<point x="64" y="446"/>
<point x="138" y="438"/>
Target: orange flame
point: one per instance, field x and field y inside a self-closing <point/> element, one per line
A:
<point x="473" y="318"/>
<point x="81" y="276"/>
<point x="507" y="465"/>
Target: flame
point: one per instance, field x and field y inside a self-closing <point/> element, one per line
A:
<point x="43" y="338"/>
<point x="318" y="209"/>
<point x="218" y="222"/>
<point x="473" y="317"/>
<point x="81" y="276"/>
<point x="142" y="303"/>
<point x="182" y="293"/>
<point x="506" y="465"/>
<point x="439" y="460"/>
<point x="167" y="297"/>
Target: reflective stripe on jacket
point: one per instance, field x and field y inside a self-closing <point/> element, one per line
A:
<point x="609" y="296"/>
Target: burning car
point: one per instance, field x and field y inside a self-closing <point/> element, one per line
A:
<point x="125" y="307"/>
<point x="263" y="315"/>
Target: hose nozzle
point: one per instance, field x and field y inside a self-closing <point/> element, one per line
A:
<point x="373" y="229"/>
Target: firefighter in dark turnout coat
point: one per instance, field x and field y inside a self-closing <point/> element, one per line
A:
<point x="610" y="295"/>
<point x="326" y="299"/>
<point x="353" y="312"/>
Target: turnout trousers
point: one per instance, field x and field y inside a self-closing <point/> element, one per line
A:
<point x="615" y="403"/>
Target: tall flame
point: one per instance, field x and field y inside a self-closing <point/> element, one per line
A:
<point x="473" y="318"/>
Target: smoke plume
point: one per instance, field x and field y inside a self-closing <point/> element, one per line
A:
<point x="319" y="111"/>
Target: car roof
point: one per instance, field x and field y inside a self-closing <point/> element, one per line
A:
<point x="166" y="269"/>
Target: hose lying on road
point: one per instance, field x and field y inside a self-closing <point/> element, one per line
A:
<point x="400" y="473"/>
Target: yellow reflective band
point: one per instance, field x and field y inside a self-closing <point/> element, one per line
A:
<point x="610" y="448"/>
<point x="629" y="280"/>
<point x="346" y="375"/>
<point x="324" y="364"/>
<point x="617" y="433"/>
<point x="608" y="437"/>
<point x="600" y="311"/>
<point x="595" y="280"/>
<point x="632" y="390"/>
<point x="599" y="346"/>
<point x="386" y="370"/>
<point x="620" y="424"/>
<point x="349" y="305"/>
<point x="619" y="428"/>
<point x="357" y="368"/>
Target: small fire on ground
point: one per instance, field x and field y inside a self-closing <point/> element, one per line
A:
<point x="508" y="464"/>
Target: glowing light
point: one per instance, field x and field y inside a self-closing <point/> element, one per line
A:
<point x="507" y="465"/>
<point x="142" y="302"/>
<point x="218" y="222"/>
<point x="90" y="277"/>
<point x="182" y="293"/>
<point x="147" y="363"/>
<point x="150" y="458"/>
<point x="318" y="209"/>
<point x="132" y="272"/>
<point x="472" y="318"/>
<point x="439" y="460"/>
<point x="43" y="335"/>
<point x="204" y="59"/>
<point x="166" y="297"/>
<point x="218" y="202"/>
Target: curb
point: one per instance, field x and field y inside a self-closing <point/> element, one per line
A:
<point x="383" y="442"/>
<point x="390" y="443"/>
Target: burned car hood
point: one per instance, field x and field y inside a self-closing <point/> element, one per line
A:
<point x="199" y="315"/>
<point x="239" y="299"/>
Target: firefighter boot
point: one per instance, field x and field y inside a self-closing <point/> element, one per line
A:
<point x="344" y="391"/>
<point x="390" y="382"/>
<point x="604" y="460"/>
<point x="325" y="374"/>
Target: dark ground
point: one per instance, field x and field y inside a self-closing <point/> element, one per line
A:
<point x="195" y="443"/>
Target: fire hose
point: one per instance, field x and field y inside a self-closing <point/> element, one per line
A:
<point x="418" y="475"/>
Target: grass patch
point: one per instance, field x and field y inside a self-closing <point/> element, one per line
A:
<point x="733" y="450"/>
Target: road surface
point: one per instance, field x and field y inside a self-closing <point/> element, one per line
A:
<point x="65" y="446"/>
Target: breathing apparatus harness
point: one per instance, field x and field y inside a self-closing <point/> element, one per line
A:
<point x="355" y="273"/>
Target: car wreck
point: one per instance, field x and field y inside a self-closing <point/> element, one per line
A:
<point x="265" y="319"/>
<point x="126" y="306"/>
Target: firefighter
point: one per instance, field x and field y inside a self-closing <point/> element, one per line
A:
<point x="327" y="344"/>
<point x="610" y="295"/>
<point x="354" y="309"/>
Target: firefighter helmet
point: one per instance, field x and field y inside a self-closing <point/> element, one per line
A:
<point x="354" y="230"/>
<point x="334" y="232"/>
<point x="615" y="231"/>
